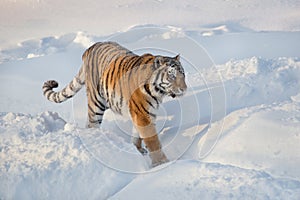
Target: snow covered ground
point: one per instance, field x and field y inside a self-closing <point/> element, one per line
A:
<point x="234" y="135"/>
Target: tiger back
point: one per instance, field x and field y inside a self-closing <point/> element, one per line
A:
<point x="129" y="84"/>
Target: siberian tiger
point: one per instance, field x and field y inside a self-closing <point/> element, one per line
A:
<point x="127" y="83"/>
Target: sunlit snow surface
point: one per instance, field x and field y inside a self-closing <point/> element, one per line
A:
<point x="234" y="135"/>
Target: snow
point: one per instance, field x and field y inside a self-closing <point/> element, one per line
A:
<point x="42" y="157"/>
<point x="234" y="135"/>
<point x="208" y="181"/>
<point x="36" y="19"/>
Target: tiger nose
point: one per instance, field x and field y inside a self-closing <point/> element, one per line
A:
<point x="183" y="87"/>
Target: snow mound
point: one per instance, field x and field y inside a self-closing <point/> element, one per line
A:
<point x="34" y="48"/>
<point x="195" y="180"/>
<point x="36" y="142"/>
<point x="43" y="158"/>
<point x="256" y="81"/>
<point x="267" y="81"/>
<point x="263" y="137"/>
<point x="83" y="39"/>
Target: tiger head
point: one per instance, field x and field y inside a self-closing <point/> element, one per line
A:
<point x="168" y="77"/>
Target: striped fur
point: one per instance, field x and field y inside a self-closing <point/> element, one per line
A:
<point x="127" y="83"/>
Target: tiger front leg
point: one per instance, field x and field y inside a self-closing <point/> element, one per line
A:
<point x="156" y="154"/>
<point x="148" y="134"/>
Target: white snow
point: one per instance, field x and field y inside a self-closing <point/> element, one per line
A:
<point x="234" y="135"/>
<point x="196" y="180"/>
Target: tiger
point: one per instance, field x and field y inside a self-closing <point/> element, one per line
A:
<point x="130" y="85"/>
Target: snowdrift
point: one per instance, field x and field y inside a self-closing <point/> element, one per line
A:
<point x="43" y="156"/>
<point x="234" y="135"/>
<point x="196" y="180"/>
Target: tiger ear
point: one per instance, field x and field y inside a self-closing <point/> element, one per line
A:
<point x="177" y="57"/>
<point x="158" y="61"/>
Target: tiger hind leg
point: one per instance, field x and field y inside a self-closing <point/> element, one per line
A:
<point x="96" y="109"/>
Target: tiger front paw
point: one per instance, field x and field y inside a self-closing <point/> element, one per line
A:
<point x="158" y="158"/>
